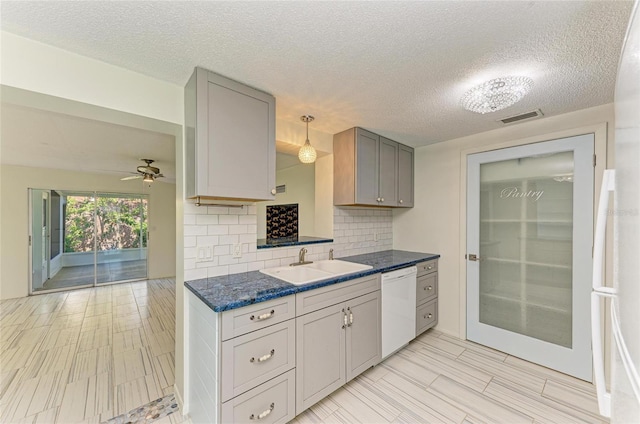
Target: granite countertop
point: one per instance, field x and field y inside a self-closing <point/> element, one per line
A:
<point x="237" y="290"/>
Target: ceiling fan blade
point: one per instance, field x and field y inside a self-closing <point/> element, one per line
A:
<point x="158" y="176"/>
<point x="132" y="177"/>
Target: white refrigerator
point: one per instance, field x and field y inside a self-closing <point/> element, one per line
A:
<point x="622" y="402"/>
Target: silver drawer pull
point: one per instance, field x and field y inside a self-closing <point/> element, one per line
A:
<point x="264" y="357"/>
<point x="429" y="288"/>
<point x="350" y="317"/>
<point x="430" y="267"/>
<point x="428" y="316"/>
<point x="263" y="413"/>
<point x="262" y="317"/>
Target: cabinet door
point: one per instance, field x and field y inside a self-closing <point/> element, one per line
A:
<point x="388" y="177"/>
<point x="364" y="344"/>
<point x="240" y="159"/>
<point x="367" y="166"/>
<point x="405" y="176"/>
<point x="320" y="355"/>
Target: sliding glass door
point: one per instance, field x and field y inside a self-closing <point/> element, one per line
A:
<point x="81" y="239"/>
<point x="121" y="231"/>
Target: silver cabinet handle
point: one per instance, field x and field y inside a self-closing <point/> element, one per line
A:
<point x="378" y="199"/>
<point x="382" y="199"/>
<point x="262" y="317"/>
<point x="263" y="413"/>
<point x="428" y="316"/>
<point x="429" y="288"/>
<point x="400" y="201"/>
<point x="344" y="319"/>
<point x="430" y="267"/>
<point x="263" y="357"/>
<point x="273" y="191"/>
<point x="350" y="317"/>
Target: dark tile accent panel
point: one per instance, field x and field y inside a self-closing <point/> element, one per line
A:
<point x="282" y="222"/>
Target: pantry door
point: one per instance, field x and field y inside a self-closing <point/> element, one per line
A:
<point x="529" y="247"/>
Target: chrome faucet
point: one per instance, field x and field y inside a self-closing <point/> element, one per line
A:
<point x="330" y="254"/>
<point x="303" y="251"/>
<point x="301" y="260"/>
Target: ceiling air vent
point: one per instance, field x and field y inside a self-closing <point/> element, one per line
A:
<point x="522" y="117"/>
<point x="281" y="189"/>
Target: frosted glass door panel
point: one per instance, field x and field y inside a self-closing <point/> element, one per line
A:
<point x="529" y="238"/>
<point x="526" y="209"/>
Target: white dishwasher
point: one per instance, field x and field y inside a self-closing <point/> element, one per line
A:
<point x="398" y="309"/>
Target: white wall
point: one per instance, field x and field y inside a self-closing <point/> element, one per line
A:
<point x="14" y="219"/>
<point x="45" y="69"/>
<point x="436" y="223"/>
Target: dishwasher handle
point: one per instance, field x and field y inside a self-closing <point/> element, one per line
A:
<point x="399" y="274"/>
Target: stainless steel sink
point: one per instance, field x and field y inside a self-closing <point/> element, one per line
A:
<point x="316" y="271"/>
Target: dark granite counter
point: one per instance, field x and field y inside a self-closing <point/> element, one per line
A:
<point x="237" y="290"/>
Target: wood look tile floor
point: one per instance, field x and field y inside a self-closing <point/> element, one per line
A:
<point x="92" y="354"/>
<point x="441" y="379"/>
<point x="87" y="355"/>
<point x="72" y="276"/>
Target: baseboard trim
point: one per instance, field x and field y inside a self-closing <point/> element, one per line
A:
<point x="184" y="407"/>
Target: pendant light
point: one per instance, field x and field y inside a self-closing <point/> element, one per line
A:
<point x="307" y="154"/>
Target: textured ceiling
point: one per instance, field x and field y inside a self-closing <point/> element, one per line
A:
<point x="43" y="139"/>
<point x="397" y="68"/>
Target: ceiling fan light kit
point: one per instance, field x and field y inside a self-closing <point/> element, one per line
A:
<point x="148" y="173"/>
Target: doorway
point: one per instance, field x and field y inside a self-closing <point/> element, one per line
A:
<point x="85" y="239"/>
<point x="529" y="241"/>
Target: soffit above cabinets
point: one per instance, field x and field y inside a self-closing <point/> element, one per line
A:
<point x="396" y="68"/>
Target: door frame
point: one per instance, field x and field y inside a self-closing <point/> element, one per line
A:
<point x="576" y="359"/>
<point x="600" y="132"/>
<point x="95" y="283"/>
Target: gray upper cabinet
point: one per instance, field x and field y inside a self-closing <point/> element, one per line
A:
<point x="367" y="170"/>
<point x="230" y="139"/>
<point x="405" y="176"/>
<point x="388" y="177"/>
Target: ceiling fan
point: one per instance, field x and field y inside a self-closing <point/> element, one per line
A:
<point x="148" y="173"/>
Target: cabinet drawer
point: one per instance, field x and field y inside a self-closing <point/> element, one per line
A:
<point x="237" y="322"/>
<point x="426" y="288"/>
<point x="271" y="402"/>
<point x="427" y="267"/>
<point x="256" y="357"/>
<point x="314" y="300"/>
<point x="426" y="316"/>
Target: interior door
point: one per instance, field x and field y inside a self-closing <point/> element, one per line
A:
<point x="529" y="247"/>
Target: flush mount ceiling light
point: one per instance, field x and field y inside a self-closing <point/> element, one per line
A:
<point x="496" y="94"/>
<point x="307" y="154"/>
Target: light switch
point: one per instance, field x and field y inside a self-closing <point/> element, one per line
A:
<point x="204" y="254"/>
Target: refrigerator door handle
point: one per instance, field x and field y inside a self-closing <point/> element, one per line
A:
<point x="604" y="397"/>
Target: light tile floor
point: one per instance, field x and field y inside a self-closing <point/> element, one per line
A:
<point x="87" y="355"/>
<point x="441" y="379"/>
<point x="90" y="355"/>
<point x="73" y="276"/>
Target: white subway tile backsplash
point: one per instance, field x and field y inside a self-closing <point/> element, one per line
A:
<point x="206" y="219"/>
<point x="238" y="229"/>
<point x="223" y="227"/>
<point x="217" y="229"/>
<point x="228" y="219"/>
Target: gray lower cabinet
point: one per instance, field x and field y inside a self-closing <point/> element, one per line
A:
<point x="426" y="296"/>
<point x="371" y="170"/>
<point x="335" y="344"/>
<point x="230" y="139"/>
